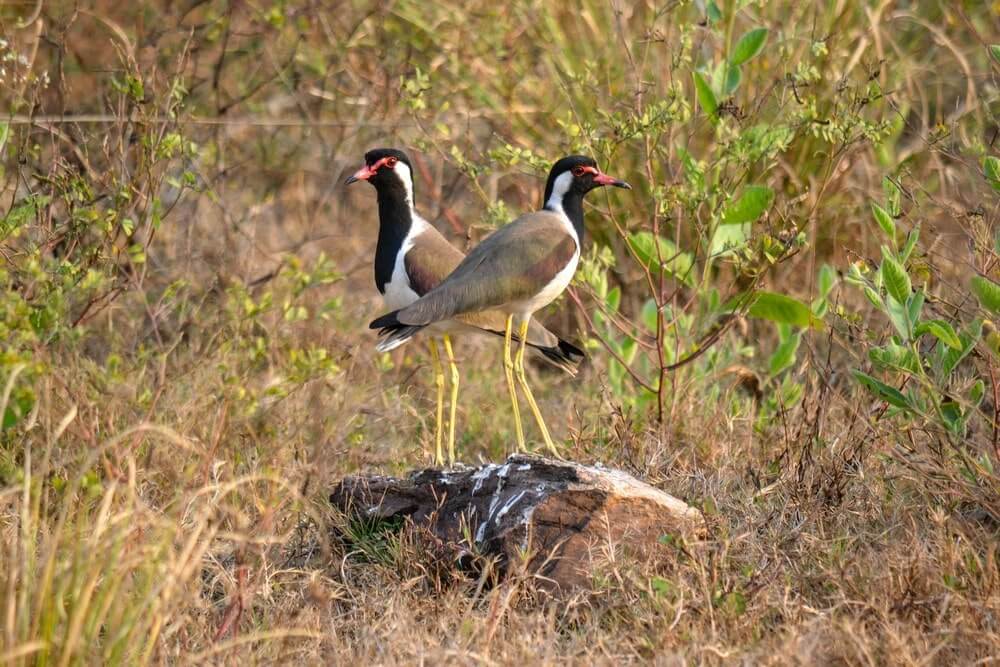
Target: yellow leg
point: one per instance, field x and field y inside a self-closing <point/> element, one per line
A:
<point x="519" y="369"/>
<point x="439" y="381"/>
<point x="454" y="399"/>
<point x="508" y="367"/>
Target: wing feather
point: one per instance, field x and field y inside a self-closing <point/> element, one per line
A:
<point x="512" y="264"/>
<point x="430" y="260"/>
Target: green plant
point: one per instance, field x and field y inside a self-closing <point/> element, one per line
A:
<point x="925" y="377"/>
<point x="715" y="231"/>
<point x="182" y="397"/>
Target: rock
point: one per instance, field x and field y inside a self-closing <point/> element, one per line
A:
<point x="559" y="513"/>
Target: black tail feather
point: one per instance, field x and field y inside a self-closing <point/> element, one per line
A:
<point x="565" y="355"/>
<point x="387" y="321"/>
<point x="391" y="332"/>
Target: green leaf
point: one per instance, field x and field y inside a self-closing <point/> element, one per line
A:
<point x="751" y="204"/>
<point x="19" y="406"/>
<point x="734" y="303"/>
<point x="976" y="392"/>
<point x="9" y="419"/>
<point x="914" y="306"/>
<point x="892" y="197"/>
<point x="616" y="374"/>
<point x="791" y="392"/>
<point x="898" y="313"/>
<point x="706" y="98"/>
<point x="784" y="355"/>
<point x="648" y="315"/>
<point x="782" y="309"/>
<point x="995" y="52"/>
<point x="750" y="44"/>
<point x="873" y="297"/>
<point x="911" y="243"/>
<point x="897" y="281"/>
<point x="728" y="238"/>
<point x="991" y="167"/>
<point x="613" y="299"/>
<point x="733" y="603"/>
<point x="941" y="330"/>
<point x="951" y="412"/>
<point x="992" y="339"/>
<point x="765" y="140"/>
<point x="676" y="263"/>
<point x="660" y="586"/>
<point x="827" y="279"/>
<point x="895" y="356"/>
<point x="950" y="359"/>
<point x="712" y="12"/>
<point x="900" y="318"/>
<point x="693" y="172"/>
<point x="725" y="79"/>
<point x="629" y="347"/>
<point x="732" y="81"/>
<point x="825" y="282"/>
<point x="890" y="395"/>
<point x="988" y="293"/>
<point x="21" y="214"/>
<point x="885" y="221"/>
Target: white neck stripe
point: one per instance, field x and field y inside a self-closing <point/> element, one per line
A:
<point x="554" y="203"/>
<point x="403" y="173"/>
<point x="560" y="187"/>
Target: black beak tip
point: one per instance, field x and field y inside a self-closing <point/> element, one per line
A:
<point x="352" y="179"/>
<point x="623" y="185"/>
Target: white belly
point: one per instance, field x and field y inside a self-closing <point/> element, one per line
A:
<point x="398" y="294"/>
<point x="549" y="293"/>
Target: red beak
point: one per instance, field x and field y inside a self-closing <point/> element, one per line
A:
<point x="604" y="179"/>
<point x="362" y="174"/>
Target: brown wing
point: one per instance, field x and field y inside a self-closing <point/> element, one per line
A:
<point x="514" y="263"/>
<point x="430" y="260"/>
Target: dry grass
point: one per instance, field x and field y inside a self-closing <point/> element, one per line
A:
<point x="165" y="498"/>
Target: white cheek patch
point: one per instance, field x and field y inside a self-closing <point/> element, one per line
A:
<point x="559" y="189"/>
<point x="403" y="172"/>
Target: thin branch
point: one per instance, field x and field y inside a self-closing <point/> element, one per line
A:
<point x="257" y="121"/>
<point x="614" y="353"/>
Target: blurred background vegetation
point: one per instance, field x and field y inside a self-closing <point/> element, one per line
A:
<point x="790" y="322"/>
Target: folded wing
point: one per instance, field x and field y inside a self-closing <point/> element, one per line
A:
<point x="514" y="263"/>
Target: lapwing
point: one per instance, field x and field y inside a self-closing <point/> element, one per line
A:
<point x="517" y="270"/>
<point x="411" y="258"/>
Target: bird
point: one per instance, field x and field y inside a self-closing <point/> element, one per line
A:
<point x="519" y="269"/>
<point x="411" y="258"/>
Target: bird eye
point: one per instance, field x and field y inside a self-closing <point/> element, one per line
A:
<point x="391" y="162"/>
<point x="579" y="171"/>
